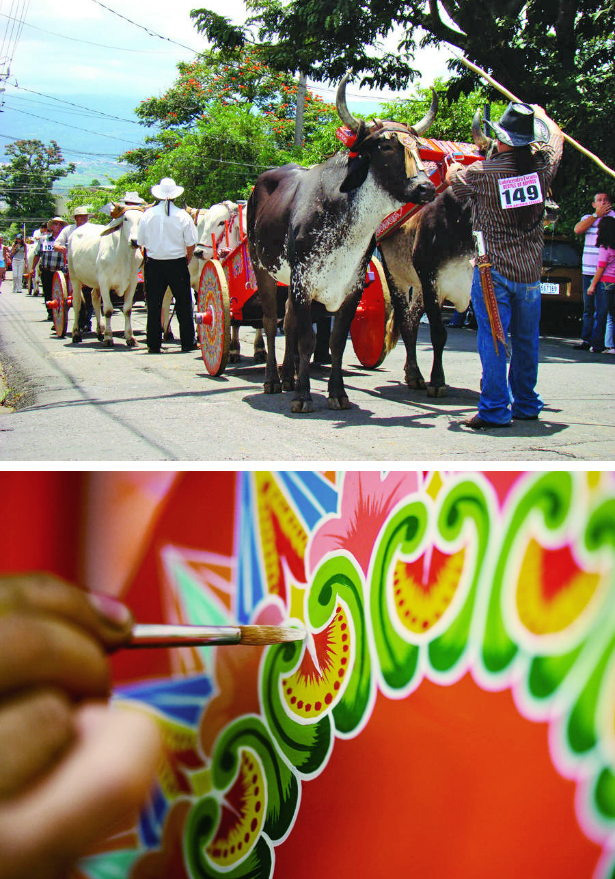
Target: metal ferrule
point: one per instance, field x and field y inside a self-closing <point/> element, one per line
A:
<point x="146" y="635"/>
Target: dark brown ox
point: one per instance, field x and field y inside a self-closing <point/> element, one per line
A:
<point x="313" y="229"/>
<point x="428" y="260"/>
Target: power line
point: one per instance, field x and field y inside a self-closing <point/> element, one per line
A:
<point x="62" y="150"/>
<point x="76" y="127"/>
<point x="89" y="42"/>
<point x="100" y="113"/>
<point x="147" y="31"/>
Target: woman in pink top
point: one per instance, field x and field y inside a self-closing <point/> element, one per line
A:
<point x="605" y="273"/>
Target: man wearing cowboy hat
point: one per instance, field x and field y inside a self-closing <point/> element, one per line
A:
<point x="51" y="260"/>
<point x="81" y="216"/>
<point x="132" y="198"/>
<point x="168" y="238"/>
<point x="508" y="192"/>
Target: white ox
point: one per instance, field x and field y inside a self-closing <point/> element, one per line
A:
<point x="215" y="225"/>
<point x="208" y="221"/>
<point x="33" y="279"/>
<point x="106" y="258"/>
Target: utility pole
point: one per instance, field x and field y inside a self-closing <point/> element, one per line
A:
<point x="300" y="109"/>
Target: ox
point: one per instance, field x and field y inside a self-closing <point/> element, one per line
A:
<point x="313" y="229"/>
<point x="218" y="219"/>
<point x="34" y="278"/>
<point x="106" y="258"/>
<point x="431" y="256"/>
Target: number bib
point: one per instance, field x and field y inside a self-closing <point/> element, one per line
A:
<point x="47" y="247"/>
<point x="518" y="192"/>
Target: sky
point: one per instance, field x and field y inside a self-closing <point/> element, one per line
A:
<point x="97" y="54"/>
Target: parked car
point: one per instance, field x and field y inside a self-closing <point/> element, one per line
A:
<point x="561" y="282"/>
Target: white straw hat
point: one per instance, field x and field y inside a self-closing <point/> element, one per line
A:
<point x="133" y="198"/>
<point x="167" y="188"/>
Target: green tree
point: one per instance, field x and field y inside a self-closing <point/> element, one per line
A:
<point x="558" y="54"/>
<point x="26" y="181"/>
<point x="225" y="119"/>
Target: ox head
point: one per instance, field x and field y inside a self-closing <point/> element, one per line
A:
<point x="125" y="220"/>
<point x="213" y="224"/>
<point x="390" y="149"/>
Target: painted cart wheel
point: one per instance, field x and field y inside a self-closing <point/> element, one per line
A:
<point x="59" y="303"/>
<point x="368" y="328"/>
<point x="213" y="317"/>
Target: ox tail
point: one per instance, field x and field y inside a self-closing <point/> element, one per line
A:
<point x="391" y="333"/>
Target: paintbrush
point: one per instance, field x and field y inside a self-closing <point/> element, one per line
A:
<point x="154" y="635"/>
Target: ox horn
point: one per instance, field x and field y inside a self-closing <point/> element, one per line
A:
<point x="342" y="109"/>
<point x="422" y="126"/>
<point x="478" y="135"/>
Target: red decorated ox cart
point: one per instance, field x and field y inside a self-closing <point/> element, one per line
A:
<point x="227" y="288"/>
<point x="226" y="295"/>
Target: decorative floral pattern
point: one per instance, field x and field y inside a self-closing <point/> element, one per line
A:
<point x="409" y="584"/>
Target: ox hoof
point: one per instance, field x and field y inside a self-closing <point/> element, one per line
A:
<point x="301" y="406"/>
<point x="437" y="390"/>
<point x="76" y="338"/>
<point x="260" y="355"/>
<point x="131" y="343"/>
<point x="108" y="343"/>
<point x="100" y="337"/>
<point x="339" y="403"/>
<point x="234" y="357"/>
<point x="288" y="384"/>
<point x="274" y="387"/>
<point x="416" y="384"/>
<point x="168" y="336"/>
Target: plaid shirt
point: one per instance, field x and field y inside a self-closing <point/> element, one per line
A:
<point x="51" y="259"/>
<point x="513" y="239"/>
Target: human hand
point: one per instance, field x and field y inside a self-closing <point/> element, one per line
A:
<point x="69" y="767"/>
<point x="590" y="290"/>
<point x="603" y="208"/>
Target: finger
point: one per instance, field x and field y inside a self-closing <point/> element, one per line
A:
<point x="35" y="727"/>
<point x="105" y="779"/>
<point x="108" y="620"/>
<point x="39" y="651"/>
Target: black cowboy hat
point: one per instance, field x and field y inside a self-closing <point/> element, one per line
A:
<point x="519" y="127"/>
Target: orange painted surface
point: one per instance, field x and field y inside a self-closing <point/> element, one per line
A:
<point x="450" y="782"/>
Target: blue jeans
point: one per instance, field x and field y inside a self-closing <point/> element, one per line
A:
<point x="519" y="307"/>
<point x="589" y="309"/>
<point x="601" y="310"/>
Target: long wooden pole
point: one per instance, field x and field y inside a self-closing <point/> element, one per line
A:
<point x="511" y="97"/>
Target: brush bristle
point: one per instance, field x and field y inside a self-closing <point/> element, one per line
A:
<point x="260" y="636"/>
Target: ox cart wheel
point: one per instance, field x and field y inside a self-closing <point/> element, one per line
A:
<point x="213" y="317"/>
<point x="368" y="328"/>
<point x="61" y="300"/>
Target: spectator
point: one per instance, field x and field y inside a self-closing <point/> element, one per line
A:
<point x="18" y="262"/>
<point x="168" y="238"/>
<point x="605" y="274"/>
<point x="2" y="261"/>
<point x="71" y="767"/>
<point x="51" y="260"/>
<point x="42" y="230"/>
<point x="594" y="305"/>
<point x="514" y="234"/>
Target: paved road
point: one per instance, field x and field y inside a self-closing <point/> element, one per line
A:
<point x="88" y="403"/>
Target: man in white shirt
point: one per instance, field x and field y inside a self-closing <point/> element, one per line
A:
<point x="595" y="307"/>
<point x="168" y="238"/>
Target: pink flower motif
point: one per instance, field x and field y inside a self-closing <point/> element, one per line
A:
<point x="367" y="498"/>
